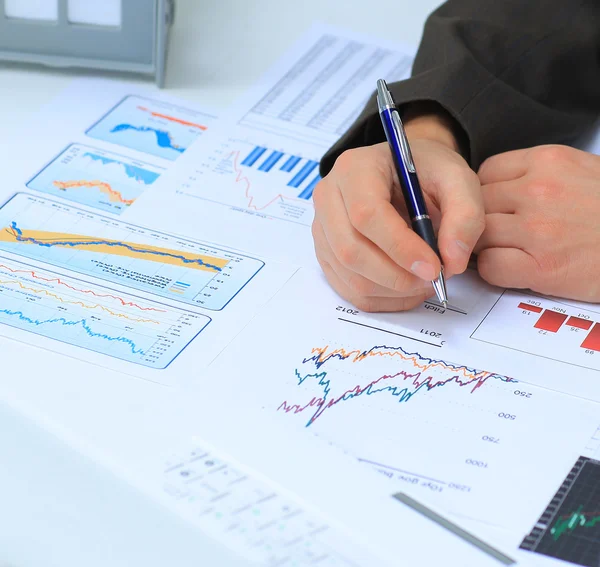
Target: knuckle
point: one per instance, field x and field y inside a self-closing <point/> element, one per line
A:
<point x="346" y="161"/>
<point x="551" y="153"/>
<point x="542" y="190"/>
<point x="361" y="215"/>
<point x="473" y="217"/>
<point x="348" y="255"/>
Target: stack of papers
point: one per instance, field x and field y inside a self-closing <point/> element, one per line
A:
<point x="162" y="308"/>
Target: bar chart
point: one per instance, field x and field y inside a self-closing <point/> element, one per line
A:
<point x="563" y="331"/>
<point x="301" y="171"/>
<point x="257" y="178"/>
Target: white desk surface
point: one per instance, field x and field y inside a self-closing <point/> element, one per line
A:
<point x="218" y="49"/>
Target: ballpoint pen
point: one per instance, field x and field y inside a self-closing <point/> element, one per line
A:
<point x="407" y="175"/>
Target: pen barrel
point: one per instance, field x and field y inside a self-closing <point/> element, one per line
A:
<point x="409" y="182"/>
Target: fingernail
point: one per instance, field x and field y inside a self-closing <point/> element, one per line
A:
<point x="458" y="249"/>
<point x="424" y="271"/>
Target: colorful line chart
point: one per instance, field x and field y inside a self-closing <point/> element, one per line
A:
<point x="432" y="425"/>
<point x="94" y="318"/>
<point x="569" y="527"/>
<point x="243" y="175"/>
<point x="152" y="127"/>
<point x="423" y="374"/>
<point x="96" y="178"/>
<point x="138" y="258"/>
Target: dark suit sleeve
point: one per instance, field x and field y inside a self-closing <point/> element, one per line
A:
<point x="512" y="73"/>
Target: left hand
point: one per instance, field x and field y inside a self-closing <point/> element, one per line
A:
<point x="542" y="221"/>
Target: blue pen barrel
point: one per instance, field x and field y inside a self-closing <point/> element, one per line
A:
<point x="415" y="201"/>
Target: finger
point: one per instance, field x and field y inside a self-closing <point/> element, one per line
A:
<point x="360" y="255"/>
<point x="364" y="287"/>
<point x="372" y="304"/>
<point x="366" y="198"/>
<point x="508" y="267"/>
<point x="463" y="218"/>
<point x="506" y="166"/>
<point x="502" y="231"/>
<point x="501" y="197"/>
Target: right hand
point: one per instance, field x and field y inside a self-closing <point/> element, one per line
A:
<point x="362" y="235"/>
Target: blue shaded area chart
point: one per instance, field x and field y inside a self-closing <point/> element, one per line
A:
<point x="152" y="127"/>
<point x="94" y="318"/>
<point x="138" y="258"/>
<point x="96" y="178"/>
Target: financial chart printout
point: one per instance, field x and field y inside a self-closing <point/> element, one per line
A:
<point x="136" y="257"/>
<point x="96" y="178"/>
<point x="569" y="527"/>
<point x="320" y="87"/>
<point x="260" y="167"/>
<point x="544" y="327"/>
<point x="433" y="425"/>
<point x="248" y="514"/>
<point x="94" y="318"/>
<point x="152" y="127"/>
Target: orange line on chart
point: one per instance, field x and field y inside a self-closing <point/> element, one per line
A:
<point x="60" y="282"/>
<point x="241" y="178"/>
<point x="172" y="118"/>
<point x="114" y="196"/>
<point x="57" y="297"/>
<point x="359" y="355"/>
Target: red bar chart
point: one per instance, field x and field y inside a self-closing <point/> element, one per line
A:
<point x="551" y="320"/>
<point x="554" y="329"/>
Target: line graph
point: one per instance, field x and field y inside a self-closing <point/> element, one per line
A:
<point x="244" y="175"/>
<point x="95" y="178"/>
<point x="152" y="127"/>
<point x="136" y="257"/>
<point x="90" y="317"/>
<point x="76" y="241"/>
<point x="433" y="425"/>
<point x="424" y="374"/>
<point x="569" y="527"/>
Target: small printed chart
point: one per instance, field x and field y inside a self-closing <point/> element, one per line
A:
<point x="152" y="127"/>
<point x="94" y="318"/>
<point x="257" y="179"/>
<point x="138" y="258"/>
<point x="569" y="527"/>
<point x="558" y="330"/>
<point x="96" y="178"/>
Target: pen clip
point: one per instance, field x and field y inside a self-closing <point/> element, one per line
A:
<point x="404" y="147"/>
<point x="385" y="102"/>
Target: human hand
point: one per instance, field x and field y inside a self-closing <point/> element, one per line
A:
<point x="363" y="240"/>
<point x="542" y="221"/>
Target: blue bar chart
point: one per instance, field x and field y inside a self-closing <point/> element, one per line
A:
<point x="303" y="172"/>
<point x="257" y="178"/>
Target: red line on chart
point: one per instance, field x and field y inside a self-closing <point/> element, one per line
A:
<point x="241" y="178"/>
<point x="60" y="282"/>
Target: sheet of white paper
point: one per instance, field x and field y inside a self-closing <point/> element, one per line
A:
<point x="257" y="169"/>
<point x="84" y="273"/>
<point x="405" y="405"/>
<point x="144" y="432"/>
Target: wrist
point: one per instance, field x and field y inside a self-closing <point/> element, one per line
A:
<point x="429" y="120"/>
